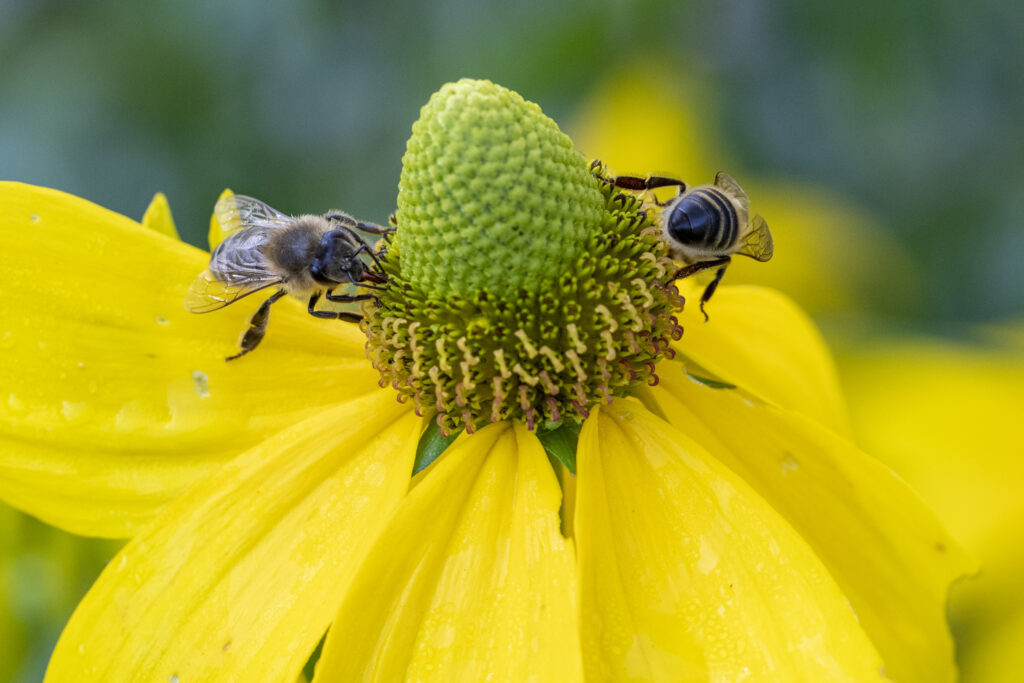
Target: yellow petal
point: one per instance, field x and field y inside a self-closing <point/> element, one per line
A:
<point x="687" y="574"/>
<point x="758" y="339"/>
<point x="943" y="416"/>
<point x="946" y="416"/>
<point x="217" y="231"/>
<point x="238" y="579"/>
<point x="471" y="581"/>
<point x="158" y="217"/>
<point x="885" y="549"/>
<point x="113" y="399"/>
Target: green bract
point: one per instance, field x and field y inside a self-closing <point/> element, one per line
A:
<point x="519" y="285"/>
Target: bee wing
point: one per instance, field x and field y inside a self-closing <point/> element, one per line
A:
<point x="207" y="293"/>
<point x="237" y="269"/>
<point x="726" y="183"/>
<point x="757" y="243"/>
<point x="236" y="212"/>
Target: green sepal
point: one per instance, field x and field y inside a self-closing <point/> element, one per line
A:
<point x="560" y="443"/>
<point x="709" y="382"/>
<point x="432" y="444"/>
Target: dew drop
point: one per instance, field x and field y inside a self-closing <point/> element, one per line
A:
<point x="34" y="218"/>
<point x="789" y="464"/>
<point x="173" y="678"/>
<point x="201" y="383"/>
<point x="7" y="340"/>
<point x="15" y="404"/>
<point x="160" y="320"/>
<point x="70" y="410"/>
<point x="227" y="645"/>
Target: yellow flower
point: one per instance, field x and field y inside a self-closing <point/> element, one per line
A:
<point x="720" y="526"/>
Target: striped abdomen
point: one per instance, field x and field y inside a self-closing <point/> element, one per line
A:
<point x="704" y="220"/>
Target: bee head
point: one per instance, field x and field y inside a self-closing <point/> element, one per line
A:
<point x="337" y="259"/>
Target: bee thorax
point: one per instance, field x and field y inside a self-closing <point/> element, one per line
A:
<point x="291" y="252"/>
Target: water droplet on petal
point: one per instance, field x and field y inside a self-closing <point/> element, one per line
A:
<point x="173" y="678"/>
<point x="16" y="405"/>
<point x="201" y="383"/>
<point x="34" y="218"/>
<point x="71" y="409"/>
<point x="160" y="320"/>
<point x="789" y="464"/>
<point x="7" y="340"/>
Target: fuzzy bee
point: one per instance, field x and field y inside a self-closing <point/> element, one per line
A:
<point x="704" y="226"/>
<point x="307" y="256"/>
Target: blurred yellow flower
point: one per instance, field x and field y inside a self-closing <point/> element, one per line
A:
<point x="269" y="500"/>
<point x="946" y="416"/>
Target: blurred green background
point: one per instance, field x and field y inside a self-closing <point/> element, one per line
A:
<point x="890" y="133"/>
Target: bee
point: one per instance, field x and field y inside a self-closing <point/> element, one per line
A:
<point x="307" y="256"/>
<point x="704" y="226"/>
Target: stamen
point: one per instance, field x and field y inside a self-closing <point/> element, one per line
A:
<point x="575" y="337"/>
<point x="645" y="292"/>
<point x="498" y="400"/>
<point x="554" y="414"/>
<point x="633" y="346"/>
<point x="531" y="350"/>
<point x="549" y="386"/>
<point x="442" y="356"/>
<point x="576" y="364"/>
<point x="532" y="380"/>
<point x="553" y="358"/>
<point x="499" y="358"/>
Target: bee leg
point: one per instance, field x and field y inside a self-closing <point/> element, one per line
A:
<point x="373" y="228"/>
<point x="709" y="290"/>
<point x="345" y="298"/>
<point x="319" y="314"/>
<point x="330" y="315"/>
<point x="695" y="268"/>
<point x="257" y="326"/>
<point x="363" y="246"/>
<point x="634" y="183"/>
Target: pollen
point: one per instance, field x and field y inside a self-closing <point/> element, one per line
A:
<point x="518" y="285"/>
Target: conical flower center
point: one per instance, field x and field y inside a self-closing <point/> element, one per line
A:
<point x="519" y="286"/>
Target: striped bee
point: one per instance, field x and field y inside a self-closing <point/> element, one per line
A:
<point x="704" y="226"/>
<point x="307" y="256"/>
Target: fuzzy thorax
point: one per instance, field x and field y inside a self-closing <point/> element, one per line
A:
<point x="519" y="286"/>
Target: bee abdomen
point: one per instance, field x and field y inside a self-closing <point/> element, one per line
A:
<point x="704" y="218"/>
